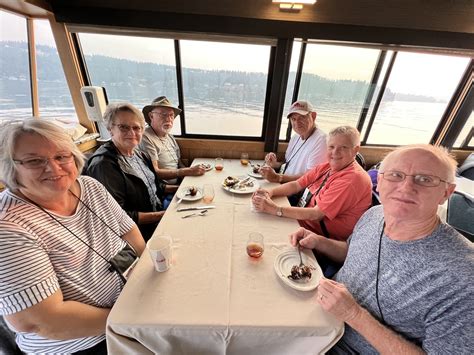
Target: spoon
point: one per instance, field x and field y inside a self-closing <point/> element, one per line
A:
<point x="202" y="213"/>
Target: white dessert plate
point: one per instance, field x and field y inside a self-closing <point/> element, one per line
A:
<point x="286" y="260"/>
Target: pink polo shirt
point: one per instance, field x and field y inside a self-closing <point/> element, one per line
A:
<point x="345" y="196"/>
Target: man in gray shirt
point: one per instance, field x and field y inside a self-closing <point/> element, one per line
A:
<point x="407" y="283"/>
<point x="160" y="144"/>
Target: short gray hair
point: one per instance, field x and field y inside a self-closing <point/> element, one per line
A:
<point x="113" y="109"/>
<point x="10" y="132"/>
<point x="440" y="153"/>
<point x="349" y="131"/>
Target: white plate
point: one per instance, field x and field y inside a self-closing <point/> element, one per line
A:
<point x="286" y="260"/>
<point x="247" y="190"/>
<point x="181" y="194"/>
<point x="255" y="175"/>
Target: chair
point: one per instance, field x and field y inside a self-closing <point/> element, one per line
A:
<point x="460" y="214"/>
<point x="467" y="168"/>
<point x="360" y="159"/>
<point x="375" y="199"/>
<point x="7" y="340"/>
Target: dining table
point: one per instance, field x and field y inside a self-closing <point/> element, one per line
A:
<point x="215" y="299"/>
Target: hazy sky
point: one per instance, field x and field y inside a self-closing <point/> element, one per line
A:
<point x="431" y="75"/>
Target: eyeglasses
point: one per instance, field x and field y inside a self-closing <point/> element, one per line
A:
<point x="163" y="115"/>
<point x="419" y="179"/>
<point x="40" y="162"/>
<point x="126" y="128"/>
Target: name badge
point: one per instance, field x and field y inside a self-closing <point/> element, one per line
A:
<point x="305" y="198"/>
<point x="282" y="168"/>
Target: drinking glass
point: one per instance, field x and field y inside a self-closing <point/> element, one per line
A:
<point x="244" y="159"/>
<point x="219" y="164"/>
<point x="255" y="245"/>
<point x="207" y="193"/>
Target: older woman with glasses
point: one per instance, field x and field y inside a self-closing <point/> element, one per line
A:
<point x="126" y="171"/>
<point x="58" y="233"/>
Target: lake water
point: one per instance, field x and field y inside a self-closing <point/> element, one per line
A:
<point x="397" y="122"/>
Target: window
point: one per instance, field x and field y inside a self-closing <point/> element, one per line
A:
<point x="54" y="96"/>
<point x="467" y="129"/>
<point x="336" y="80"/>
<point x="417" y="93"/>
<point x="295" y="56"/>
<point x="15" y="86"/>
<point x="224" y="86"/>
<point x="15" y="78"/>
<point x="132" y="69"/>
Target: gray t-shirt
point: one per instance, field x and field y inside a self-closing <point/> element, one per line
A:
<point x="164" y="150"/>
<point x="426" y="287"/>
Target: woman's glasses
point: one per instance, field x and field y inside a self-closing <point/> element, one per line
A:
<point x="41" y="162"/>
<point x="419" y="179"/>
<point x="126" y="128"/>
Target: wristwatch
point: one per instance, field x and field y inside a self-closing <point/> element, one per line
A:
<point x="280" y="212"/>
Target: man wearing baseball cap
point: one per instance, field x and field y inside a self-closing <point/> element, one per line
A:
<point x="306" y="149"/>
<point x="161" y="145"/>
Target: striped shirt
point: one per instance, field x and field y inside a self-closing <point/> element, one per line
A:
<point x="38" y="256"/>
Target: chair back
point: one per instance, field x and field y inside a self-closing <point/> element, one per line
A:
<point x="467" y="168"/>
<point x="460" y="214"/>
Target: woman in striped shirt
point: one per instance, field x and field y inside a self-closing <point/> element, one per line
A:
<point x="58" y="232"/>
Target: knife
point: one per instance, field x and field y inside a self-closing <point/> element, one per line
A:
<point x="194" y="208"/>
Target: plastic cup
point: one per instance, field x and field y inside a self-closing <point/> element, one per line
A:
<point x="160" y="252"/>
<point x="244" y="159"/>
<point x="207" y="193"/>
<point x="219" y="164"/>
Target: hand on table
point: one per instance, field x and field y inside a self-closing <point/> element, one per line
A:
<point x="263" y="202"/>
<point x="268" y="173"/>
<point x="337" y="300"/>
<point x="197" y="170"/>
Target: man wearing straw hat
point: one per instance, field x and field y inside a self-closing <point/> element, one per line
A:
<point x="161" y="145"/>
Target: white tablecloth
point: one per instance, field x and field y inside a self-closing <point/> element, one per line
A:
<point x="215" y="299"/>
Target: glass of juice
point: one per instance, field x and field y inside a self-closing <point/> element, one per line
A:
<point x="244" y="159"/>
<point x="219" y="164"/>
<point x="207" y="193"/>
<point x="255" y="245"/>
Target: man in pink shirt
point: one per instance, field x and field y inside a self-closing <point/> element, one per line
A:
<point x="336" y="193"/>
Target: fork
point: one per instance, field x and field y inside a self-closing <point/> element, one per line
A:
<point x="202" y="213"/>
<point x="299" y="253"/>
<point x="186" y="194"/>
<point x="240" y="183"/>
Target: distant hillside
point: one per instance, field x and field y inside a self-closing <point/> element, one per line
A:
<point x="125" y="80"/>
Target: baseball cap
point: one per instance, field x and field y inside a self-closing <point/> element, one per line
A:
<point x="302" y="107"/>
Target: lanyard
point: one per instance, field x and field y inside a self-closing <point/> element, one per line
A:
<point x="294" y="154"/>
